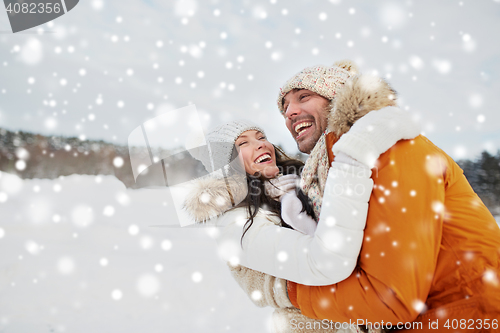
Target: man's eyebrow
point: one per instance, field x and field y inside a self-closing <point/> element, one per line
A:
<point x="293" y="90"/>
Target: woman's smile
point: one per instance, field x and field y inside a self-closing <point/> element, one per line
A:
<point x="264" y="159"/>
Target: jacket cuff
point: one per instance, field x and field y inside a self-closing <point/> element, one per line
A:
<point x="280" y="294"/>
<point x="292" y="293"/>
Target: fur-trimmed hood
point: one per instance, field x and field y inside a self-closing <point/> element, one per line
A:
<point x="212" y="197"/>
<point x="359" y="95"/>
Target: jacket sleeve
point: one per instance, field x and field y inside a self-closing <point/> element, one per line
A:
<point x="401" y="246"/>
<point x="325" y="258"/>
<point x="263" y="289"/>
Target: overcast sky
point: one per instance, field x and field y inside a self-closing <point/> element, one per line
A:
<point x="106" y="67"/>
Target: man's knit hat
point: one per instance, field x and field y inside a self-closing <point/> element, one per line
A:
<point x="220" y="142"/>
<point x="323" y="80"/>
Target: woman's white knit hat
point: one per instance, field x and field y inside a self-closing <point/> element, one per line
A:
<point x="220" y="142"/>
<point x="323" y="80"/>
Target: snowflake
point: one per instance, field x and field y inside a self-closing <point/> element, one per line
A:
<point x="282" y="256"/>
<point x="133" y="230"/>
<point x="256" y="295"/>
<point x="116" y="294"/>
<point x="118" y="162"/>
<point x="146" y="242"/>
<point x="418" y="305"/>
<point x="197" y="277"/>
<point x="166" y="245"/>
<point x="108" y="211"/>
<point x="66" y="265"/>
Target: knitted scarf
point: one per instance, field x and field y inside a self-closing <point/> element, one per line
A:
<point x="314" y="174"/>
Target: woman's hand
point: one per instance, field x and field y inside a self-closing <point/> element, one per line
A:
<point x="279" y="186"/>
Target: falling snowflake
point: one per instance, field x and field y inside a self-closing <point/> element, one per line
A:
<point x="256" y="295"/>
<point x="108" y="211"/>
<point x="116" y="294"/>
<point x="282" y="256"/>
<point x="66" y="265"/>
<point x="32" y="52"/>
<point x="197" y="277"/>
<point x="166" y="245"/>
<point x="148" y="285"/>
<point x="133" y="230"/>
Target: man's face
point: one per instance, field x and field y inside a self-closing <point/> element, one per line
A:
<point x="305" y="113"/>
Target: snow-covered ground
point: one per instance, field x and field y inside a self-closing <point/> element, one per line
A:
<point x="83" y="254"/>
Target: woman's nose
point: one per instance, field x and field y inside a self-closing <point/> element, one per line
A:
<point x="259" y="145"/>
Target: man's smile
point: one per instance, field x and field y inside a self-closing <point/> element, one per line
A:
<point x="302" y="127"/>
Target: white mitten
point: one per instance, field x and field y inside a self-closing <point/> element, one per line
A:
<point x="376" y="132"/>
<point x="277" y="187"/>
<point x="291" y="213"/>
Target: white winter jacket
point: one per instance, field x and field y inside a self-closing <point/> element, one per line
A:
<point x="323" y="259"/>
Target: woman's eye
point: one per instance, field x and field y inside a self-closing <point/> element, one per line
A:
<point x="262" y="138"/>
<point x="241" y="143"/>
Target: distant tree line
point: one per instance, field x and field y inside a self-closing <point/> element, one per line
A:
<point x="484" y="176"/>
<point x="51" y="157"/>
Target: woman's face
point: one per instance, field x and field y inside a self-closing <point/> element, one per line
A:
<point x="257" y="154"/>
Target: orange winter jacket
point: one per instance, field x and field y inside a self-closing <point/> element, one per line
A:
<point x="430" y="253"/>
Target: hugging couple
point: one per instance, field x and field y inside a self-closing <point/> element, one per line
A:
<point x="379" y="226"/>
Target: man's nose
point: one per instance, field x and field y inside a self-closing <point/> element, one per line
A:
<point x="292" y="110"/>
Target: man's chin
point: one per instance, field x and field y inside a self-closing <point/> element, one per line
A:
<point x="308" y="141"/>
<point x="306" y="145"/>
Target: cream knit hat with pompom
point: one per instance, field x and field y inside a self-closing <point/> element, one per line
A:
<point x="323" y="80"/>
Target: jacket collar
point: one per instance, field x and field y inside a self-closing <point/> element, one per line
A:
<point x="359" y="95"/>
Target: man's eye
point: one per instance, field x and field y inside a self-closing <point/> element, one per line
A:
<point x="303" y="96"/>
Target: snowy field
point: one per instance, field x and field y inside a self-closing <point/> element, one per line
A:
<point x="82" y="254"/>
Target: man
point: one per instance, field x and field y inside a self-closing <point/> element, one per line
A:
<point x="431" y="252"/>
